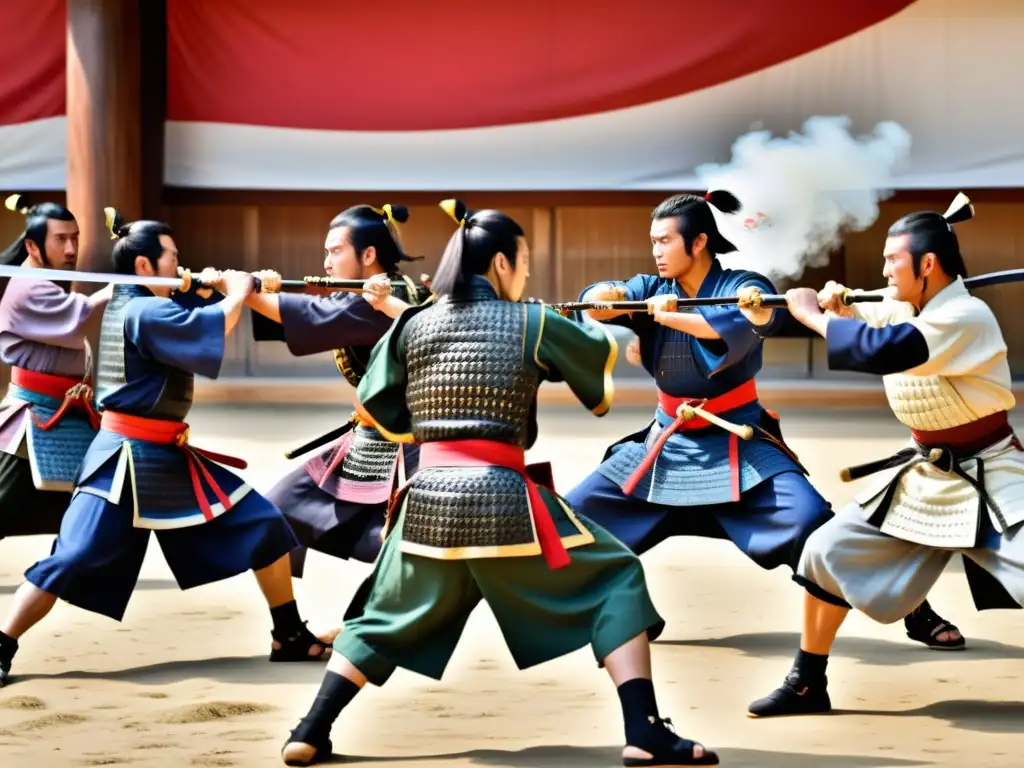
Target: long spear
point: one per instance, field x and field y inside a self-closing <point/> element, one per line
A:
<point x="773" y="300"/>
<point x="185" y="280"/>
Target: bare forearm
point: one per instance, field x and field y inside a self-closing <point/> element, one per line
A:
<point x="266" y="304"/>
<point x="232" y="308"/>
<point x="603" y="293"/>
<point x="393" y="307"/>
<point x="817" y="323"/>
<point x="688" y="322"/>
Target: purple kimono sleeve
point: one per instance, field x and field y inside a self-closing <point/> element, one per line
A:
<point x="47" y="314"/>
<point x="314" y="324"/>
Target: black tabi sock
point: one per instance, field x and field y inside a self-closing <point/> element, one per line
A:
<point x="8" y="645"/>
<point x="810" y="666"/>
<point x="287" y="621"/>
<point x="638" y="707"/>
<point x="334" y="695"/>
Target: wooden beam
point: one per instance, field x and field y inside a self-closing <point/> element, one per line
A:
<point x="104" y="126"/>
<point x="339" y="200"/>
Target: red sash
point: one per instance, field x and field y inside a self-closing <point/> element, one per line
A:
<point x="489" y="453"/>
<point x="175" y="433"/>
<point x="71" y="392"/>
<point x="744" y="394"/>
<point x="968" y="439"/>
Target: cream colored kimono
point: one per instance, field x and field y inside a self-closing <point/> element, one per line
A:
<point x="966" y="378"/>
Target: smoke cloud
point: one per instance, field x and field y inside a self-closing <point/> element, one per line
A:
<point x="801" y="192"/>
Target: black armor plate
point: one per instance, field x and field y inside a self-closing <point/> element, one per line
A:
<point x="371" y="457"/>
<point x="175" y="399"/>
<point x="471" y="375"/>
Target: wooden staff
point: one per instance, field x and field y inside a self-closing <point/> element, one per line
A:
<point x="687" y="412"/>
<point x="760" y="300"/>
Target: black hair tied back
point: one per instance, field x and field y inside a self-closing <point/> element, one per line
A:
<point x="724" y="201"/>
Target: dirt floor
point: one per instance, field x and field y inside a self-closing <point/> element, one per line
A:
<point x="184" y="680"/>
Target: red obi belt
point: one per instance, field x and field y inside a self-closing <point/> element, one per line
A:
<point x="968" y="439"/>
<point x="176" y="433"/>
<point x="489" y="453"/>
<point x="744" y="394"/>
<point x="71" y="392"/>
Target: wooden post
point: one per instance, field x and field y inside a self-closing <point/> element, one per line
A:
<point x="104" y="122"/>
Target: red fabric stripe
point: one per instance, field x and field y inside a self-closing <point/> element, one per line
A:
<point x="175" y="433"/>
<point x="487" y="453"/>
<point x="968" y="438"/>
<point x="33" y="35"/>
<point x="42" y="383"/>
<point x="409" y="65"/>
<point x="742" y="395"/>
<point x="734" y="465"/>
<point x="71" y="392"/>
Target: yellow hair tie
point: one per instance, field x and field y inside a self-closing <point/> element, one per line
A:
<point x="110" y="216"/>
<point x="451" y="207"/>
<point x="386" y="212"/>
<point x="13" y="203"/>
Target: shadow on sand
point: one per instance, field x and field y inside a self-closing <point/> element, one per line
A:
<point x="597" y="757"/>
<point x="962" y="714"/>
<point x="865" y="650"/>
<point x="246" y="670"/>
<point x="143" y="584"/>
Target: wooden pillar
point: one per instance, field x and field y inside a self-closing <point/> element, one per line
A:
<point x="105" y="121"/>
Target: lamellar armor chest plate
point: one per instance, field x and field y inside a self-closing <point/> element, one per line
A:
<point x="176" y="397"/>
<point x="472" y="374"/>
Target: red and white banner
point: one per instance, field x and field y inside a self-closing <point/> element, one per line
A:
<point x="33" y="129"/>
<point x="538" y="94"/>
<point x="621" y="94"/>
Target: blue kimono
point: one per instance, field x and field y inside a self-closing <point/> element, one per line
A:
<point x="150" y="349"/>
<point x="759" y="497"/>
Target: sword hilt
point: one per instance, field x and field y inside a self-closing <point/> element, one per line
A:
<point x="188" y="280"/>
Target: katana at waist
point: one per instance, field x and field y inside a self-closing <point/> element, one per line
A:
<point x="967" y="439"/>
<point x="744" y="394"/>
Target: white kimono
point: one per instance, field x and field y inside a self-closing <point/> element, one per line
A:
<point x="965" y="378"/>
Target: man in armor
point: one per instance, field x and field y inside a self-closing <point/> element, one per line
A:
<point x="47" y="419"/>
<point x="140" y="473"/>
<point x="957" y="488"/>
<point x="336" y="502"/>
<point x="683" y="476"/>
<point x="460" y="379"/>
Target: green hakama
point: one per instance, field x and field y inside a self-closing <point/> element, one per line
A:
<point x="420" y="596"/>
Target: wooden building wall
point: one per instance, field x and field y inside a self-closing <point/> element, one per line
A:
<point x="575" y="240"/>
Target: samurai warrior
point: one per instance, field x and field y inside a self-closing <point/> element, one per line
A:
<point x="459" y="378"/>
<point x="47" y="419"/>
<point x="683" y="475"/>
<point x="141" y="474"/>
<point x="336" y="501"/>
<point x="955" y="489"/>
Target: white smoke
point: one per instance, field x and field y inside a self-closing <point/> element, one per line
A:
<point x="800" y="193"/>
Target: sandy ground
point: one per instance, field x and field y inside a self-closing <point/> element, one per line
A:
<point x="184" y="680"/>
